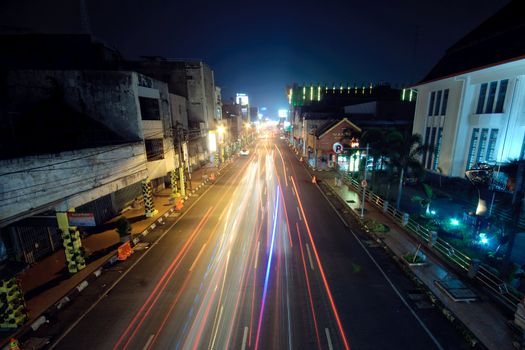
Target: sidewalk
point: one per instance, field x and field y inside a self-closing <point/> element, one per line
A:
<point x="482" y="318"/>
<point x="47" y="281"/>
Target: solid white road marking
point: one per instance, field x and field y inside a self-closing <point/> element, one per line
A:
<point x="197" y="258"/>
<point x="309" y="256"/>
<point x="244" y="337"/>
<point x="328" y="339"/>
<point x="148" y="343"/>
<point x="257" y="254"/>
<point x="299" y="213"/>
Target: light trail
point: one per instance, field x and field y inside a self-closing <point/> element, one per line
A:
<point x="267" y="276"/>
<point x="284" y="167"/>
<point x="321" y="270"/>
<point x="162" y="282"/>
<point x="312" y="309"/>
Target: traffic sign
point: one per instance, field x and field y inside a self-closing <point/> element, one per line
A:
<point x="338" y="148"/>
<point x="364" y="183"/>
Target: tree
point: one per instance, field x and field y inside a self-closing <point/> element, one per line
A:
<point x="404" y="154"/>
<point x="425" y="200"/>
<point x="515" y="170"/>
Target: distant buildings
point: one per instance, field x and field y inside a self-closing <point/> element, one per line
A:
<point x="470" y="106"/>
<point x="317" y="108"/>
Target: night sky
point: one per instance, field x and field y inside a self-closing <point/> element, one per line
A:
<point x="259" y="47"/>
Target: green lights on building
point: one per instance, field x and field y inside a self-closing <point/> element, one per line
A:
<point x="408" y="95"/>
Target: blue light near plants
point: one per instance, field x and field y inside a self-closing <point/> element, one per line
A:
<point x="483" y="239"/>
<point x="433" y="212"/>
<point x="454" y="222"/>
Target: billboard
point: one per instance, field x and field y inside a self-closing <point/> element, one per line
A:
<point x="242" y="99"/>
<point x="81" y="219"/>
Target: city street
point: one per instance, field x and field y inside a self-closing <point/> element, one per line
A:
<point x="261" y="261"/>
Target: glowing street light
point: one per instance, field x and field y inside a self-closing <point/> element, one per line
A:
<point x="221" y="130"/>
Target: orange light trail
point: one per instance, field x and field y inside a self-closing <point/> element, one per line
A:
<point x="308" y="288"/>
<point x="327" y="287"/>
<point x="162" y="280"/>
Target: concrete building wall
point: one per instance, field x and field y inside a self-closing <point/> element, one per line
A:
<point x="462" y="117"/>
<point x="67" y="180"/>
<point x="158" y="129"/>
<point x="106" y="96"/>
<point x="179" y="113"/>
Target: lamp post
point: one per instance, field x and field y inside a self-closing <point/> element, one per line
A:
<point x="364" y="184"/>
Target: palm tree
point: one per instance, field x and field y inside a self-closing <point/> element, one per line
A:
<point x="404" y="155"/>
<point x="376" y="139"/>
<point x="427" y="199"/>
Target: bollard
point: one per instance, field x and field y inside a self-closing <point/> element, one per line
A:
<point x="473" y="268"/>
<point x="432" y="238"/>
<point x="405" y="219"/>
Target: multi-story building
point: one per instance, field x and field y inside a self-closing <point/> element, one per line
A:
<point x="470" y="107"/>
<point x="193" y="80"/>
<point x="244" y="101"/>
<point x="80" y="140"/>
<point x="312" y="106"/>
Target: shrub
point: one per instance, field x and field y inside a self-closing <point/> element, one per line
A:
<point x="123" y="226"/>
<point x="410" y="258"/>
<point x="376" y="226"/>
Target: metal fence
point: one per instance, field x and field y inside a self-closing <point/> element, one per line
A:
<point x="451" y="255"/>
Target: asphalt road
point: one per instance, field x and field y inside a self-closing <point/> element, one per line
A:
<point x="261" y="261"/>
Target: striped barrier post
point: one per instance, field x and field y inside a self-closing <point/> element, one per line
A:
<point x="149" y="206"/>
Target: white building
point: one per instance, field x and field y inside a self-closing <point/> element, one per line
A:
<point x="471" y="106"/>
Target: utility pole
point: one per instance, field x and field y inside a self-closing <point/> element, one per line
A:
<point x="180" y="137"/>
<point x="364" y="187"/>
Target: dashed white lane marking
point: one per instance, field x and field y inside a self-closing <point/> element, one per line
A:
<point x="299" y="213"/>
<point x="198" y="256"/>
<point x="216" y="329"/>
<point x="328" y="339"/>
<point x="244" y="337"/>
<point x="257" y="255"/>
<point x="148" y="343"/>
<point x="309" y="256"/>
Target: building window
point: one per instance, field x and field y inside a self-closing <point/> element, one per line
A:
<point x="472" y="148"/>
<point x="482" y="145"/>
<point x="486" y="100"/>
<point x="445" y="101"/>
<point x="481" y="99"/>
<point x="438" y="102"/>
<point x="427" y="134"/>
<point x="492" y="145"/>
<point x="501" y="96"/>
<point x="491" y="97"/>
<point x="438" y="149"/>
<point x="431" y="147"/>
<point x="154" y="149"/>
<point x="149" y="108"/>
<point x="431" y="105"/>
